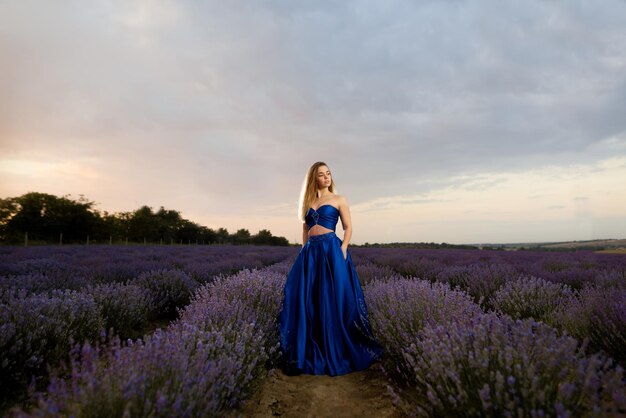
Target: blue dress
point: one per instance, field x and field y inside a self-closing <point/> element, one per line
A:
<point x="323" y="322"/>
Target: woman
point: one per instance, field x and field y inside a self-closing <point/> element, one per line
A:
<point x="323" y="322"/>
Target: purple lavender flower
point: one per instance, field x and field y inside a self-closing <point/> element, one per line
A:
<point x="532" y="297"/>
<point x="494" y="365"/>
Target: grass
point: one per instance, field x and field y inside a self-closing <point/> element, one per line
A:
<point x="613" y="251"/>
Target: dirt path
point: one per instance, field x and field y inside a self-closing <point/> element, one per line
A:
<point x="356" y="394"/>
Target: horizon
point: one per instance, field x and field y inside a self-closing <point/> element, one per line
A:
<point x="440" y="121"/>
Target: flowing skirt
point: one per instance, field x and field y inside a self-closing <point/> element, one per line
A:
<point x="323" y="322"/>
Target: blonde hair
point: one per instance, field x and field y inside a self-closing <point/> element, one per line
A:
<point x="308" y="192"/>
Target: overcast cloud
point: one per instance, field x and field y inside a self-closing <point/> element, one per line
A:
<point x="218" y="108"/>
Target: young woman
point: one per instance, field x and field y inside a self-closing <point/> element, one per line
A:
<point x="323" y="323"/>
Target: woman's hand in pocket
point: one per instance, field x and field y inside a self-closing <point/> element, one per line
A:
<point x="345" y="252"/>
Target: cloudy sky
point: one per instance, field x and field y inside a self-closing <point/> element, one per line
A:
<point x="445" y="121"/>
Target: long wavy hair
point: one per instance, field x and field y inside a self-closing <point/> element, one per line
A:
<point x="308" y="192"/>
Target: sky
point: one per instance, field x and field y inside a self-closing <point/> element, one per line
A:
<point x="440" y="121"/>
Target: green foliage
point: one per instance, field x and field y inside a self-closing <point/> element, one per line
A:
<point x="46" y="218"/>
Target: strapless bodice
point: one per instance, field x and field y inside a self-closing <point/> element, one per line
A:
<point x="326" y="216"/>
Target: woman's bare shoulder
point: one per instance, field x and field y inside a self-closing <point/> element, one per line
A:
<point x="341" y="201"/>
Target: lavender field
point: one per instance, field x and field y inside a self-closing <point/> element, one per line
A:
<point x="466" y="332"/>
<point x="54" y="298"/>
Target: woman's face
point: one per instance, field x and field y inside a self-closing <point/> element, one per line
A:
<point x="323" y="177"/>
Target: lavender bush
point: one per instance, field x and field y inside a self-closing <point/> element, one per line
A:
<point x="401" y="307"/>
<point x="598" y="314"/>
<point x="421" y="267"/>
<point x="610" y="279"/>
<point x="169" y="289"/>
<point x="254" y="295"/>
<point x="39" y="329"/>
<point x="203" y="364"/>
<point x="479" y="280"/>
<point x="533" y="297"/>
<point x="43" y="265"/>
<point x="124" y="307"/>
<point x="495" y="366"/>
<point x="369" y="272"/>
<point x="183" y="371"/>
<point x="38" y="282"/>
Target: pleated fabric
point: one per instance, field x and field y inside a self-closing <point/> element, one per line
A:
<point x="323" y="322"/>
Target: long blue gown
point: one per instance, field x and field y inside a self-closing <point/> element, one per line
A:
<point x="323" y="322"/>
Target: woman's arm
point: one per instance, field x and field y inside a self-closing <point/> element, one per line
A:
<point x="344" y="213"/>
<point x="305" y="233"/>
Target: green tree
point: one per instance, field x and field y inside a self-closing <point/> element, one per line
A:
<point x="168" y="224"/>
<point x="223" y="236"/>
<point x="188" y="231"/>
<point x="241" y="237"/>
<point x="263" y="237"/>
<point x="45" y="217"/>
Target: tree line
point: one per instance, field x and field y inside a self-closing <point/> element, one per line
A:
<point x="42" y="218"/>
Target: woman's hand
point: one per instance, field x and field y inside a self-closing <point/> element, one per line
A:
<point x="344" y="250"/>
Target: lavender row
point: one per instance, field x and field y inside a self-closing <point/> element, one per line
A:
<point x="37" y="331"/>
<point x="39" y="269"/>
<point x="37" y="328"/>
<point x="593" y="311"/>
<point x="444" y="354"/>
<point x="203" y="364"/>
<point x="573" y="268"/>
<point x="595" y="315"/>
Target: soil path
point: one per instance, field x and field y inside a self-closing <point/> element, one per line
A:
<point x="356" y="394"/>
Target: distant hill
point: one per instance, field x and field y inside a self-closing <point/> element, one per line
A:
<point x="420" y="245"/>
<point x="611" y="244"/>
